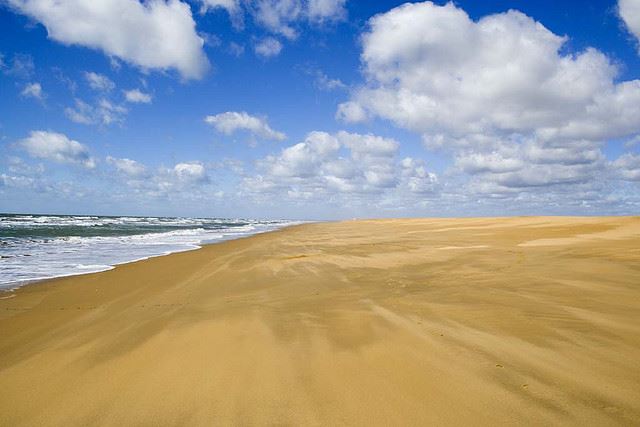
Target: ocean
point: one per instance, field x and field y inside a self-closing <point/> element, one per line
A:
<point x="36" y="247"/>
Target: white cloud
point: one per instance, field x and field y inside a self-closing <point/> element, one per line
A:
<point x="232" y="7"/>
<point x="190" y="172"/>
<point x="82" y="113"/>
<point x="20" y="66"/>
<point x="104" y="112"/>
<point x="627" y="167"/>
<point x="115" y="64"/>
<point x="343" y="166"/>
<point x="136" y="96"/>
<point x="323" y="10"/>
<point x="418" y="179"/>
<point x="475" y="163"/>
<point x="282" y="17"/>
<point x="33" y="90"/>
<point x="110" y="113"/>
<point x="278" y="15"/>
<point x="363" y="146"/>
<point x="180" y="183"/>
<point x="152" y="35"/>
<point x="433" y="70"/>
<point x="351" y="112"/>
<point x="630" y="13"/>
<point x="163" y="182"/>
<point x="12" y="181"/>
<point x="128" y="167"/>
<point x="234" y="121"/>
<point x="324" y="82"/>
<point x="35" y="185"/>
<point x="517" y="113"/>
<point x="57" y="147"/>
<point x="268" y="47"/>
<point x="528" y="164"/>
<point x="20" y="167"/>
<point x="304" y="159"/>
<point x="99" y="82"/>
<point x="31" y="185"/>
<point x="211" y="39"/>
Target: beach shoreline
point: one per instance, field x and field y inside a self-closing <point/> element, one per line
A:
<point x="220" y="235"/>
<point x="523" y="320"/>
<point x="8" y="292"/>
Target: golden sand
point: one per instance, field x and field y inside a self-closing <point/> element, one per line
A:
<point x="519" y="321"/>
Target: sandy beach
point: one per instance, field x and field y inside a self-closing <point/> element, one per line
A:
<point x="512" y="321"/>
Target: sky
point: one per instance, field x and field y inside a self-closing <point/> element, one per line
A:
<point x="320" y="109"/>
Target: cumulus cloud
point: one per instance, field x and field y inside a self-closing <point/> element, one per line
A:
<point x="37" y="184"/>
<point x="24" y="176"/>
<point x="157" y="34"/>
<point x="128" y="167"/>
<point x="233" y="121"/>
<point x="190" y="172"/>
<point x="282" y="17"/>
<point x="351" y="112"/>
<point x="627" y="167"/>
<point x="629" y="11"/>
<point x="104" y="112"/>
<point x="340" y="166"/>
<point x="20" y="167"/>
<point x="57" y="147"/>
<point x="418" y="179"/>
<point x="517" y="112"/>
<point x="136" y="96"/>
<point x="184" y="179"/>
<point x="33" y="90"/>
<point x="99" y="82"/>
<point x="231" y="6"/>
<point x="323" y="10"/>
<point x="161" y="179"/>
<point x="12" y="181"/>
<point x="522" y="166"/>
<point x="433" y="70"/>
<point x="268" y="47"/>
<point x="30" y="185"/>
<point x="278" y="15"/>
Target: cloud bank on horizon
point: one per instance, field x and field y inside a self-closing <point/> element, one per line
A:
<point x="318" y="109"/>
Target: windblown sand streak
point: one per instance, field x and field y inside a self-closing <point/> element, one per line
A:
<point x="527" y="321"/>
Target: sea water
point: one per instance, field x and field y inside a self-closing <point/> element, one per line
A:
<point x="36" y="247"/>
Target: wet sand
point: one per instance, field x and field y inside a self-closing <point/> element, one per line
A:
<point x="518" y="321"/>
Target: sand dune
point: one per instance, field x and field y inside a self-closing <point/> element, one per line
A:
<point x="511" y="321"/>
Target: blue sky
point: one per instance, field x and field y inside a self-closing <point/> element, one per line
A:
<point x="319" y="108"/>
